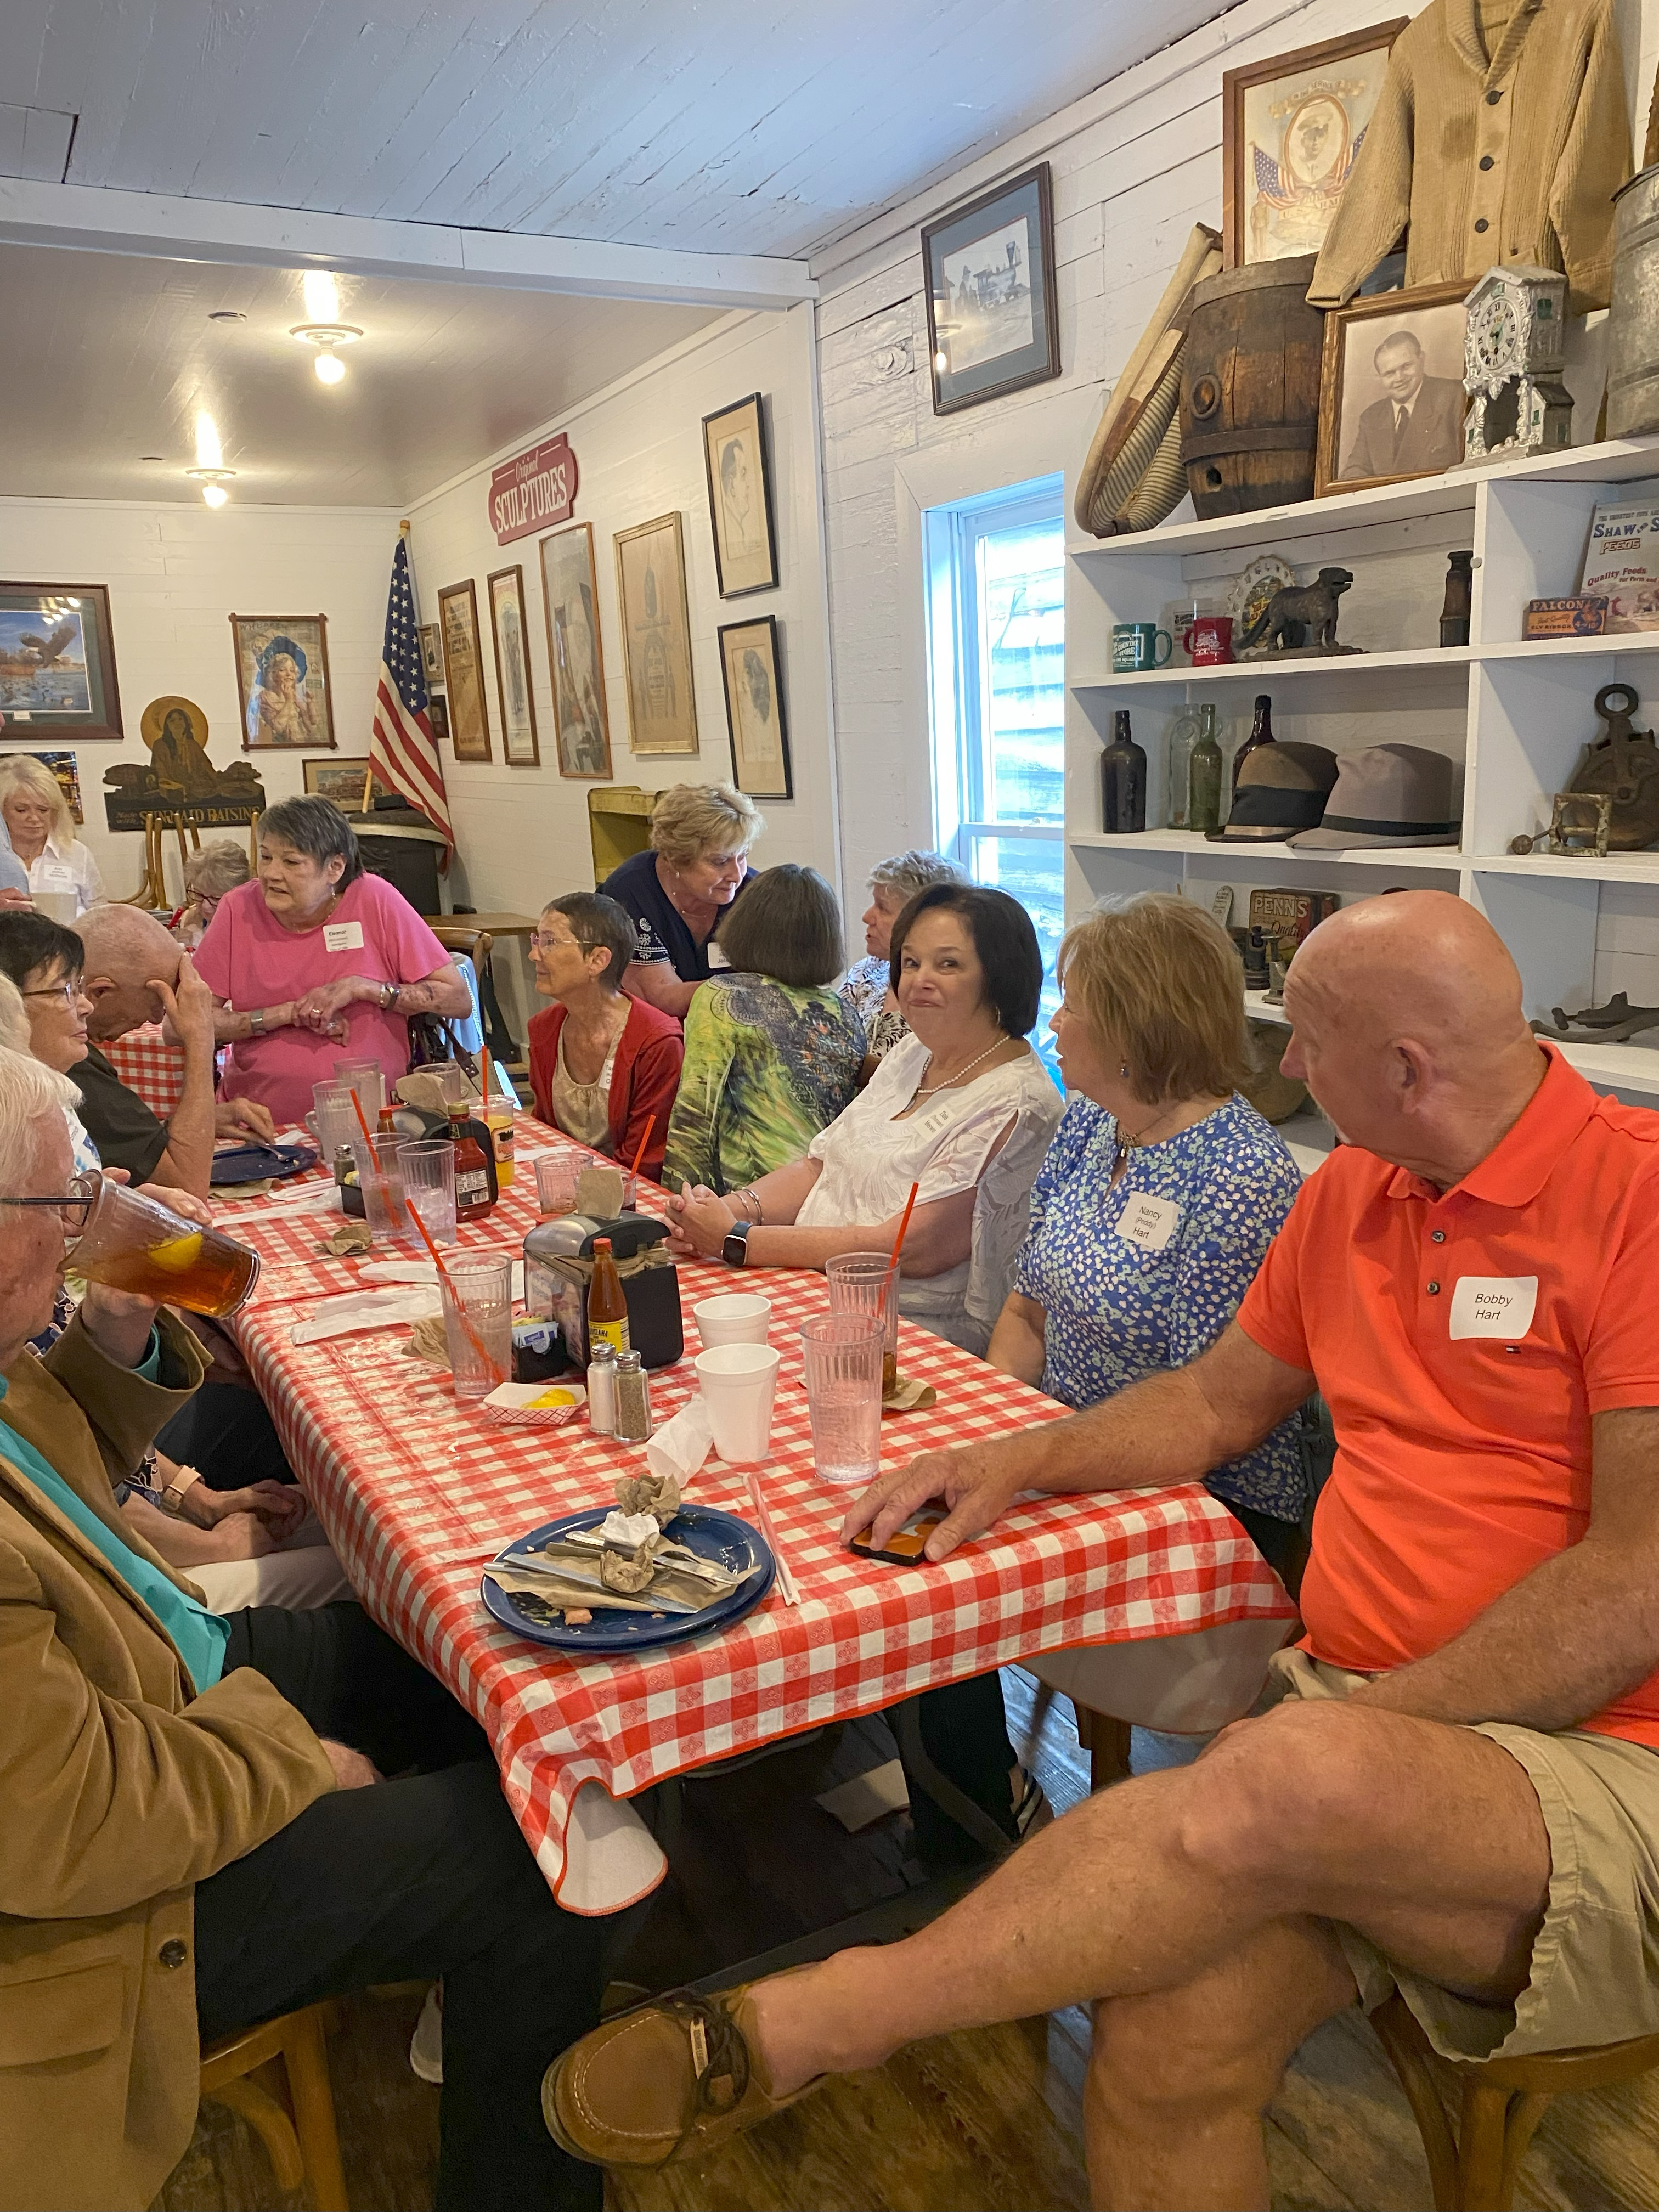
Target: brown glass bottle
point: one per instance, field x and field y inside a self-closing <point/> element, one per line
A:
<point x="1262" y="734"/>
<point x="1122" y="780"/>
<point x="473" y="1196"/>
<point x="607" y="1303"/>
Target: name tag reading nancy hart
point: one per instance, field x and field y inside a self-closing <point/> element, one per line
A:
<point x="1149" y="1222"/>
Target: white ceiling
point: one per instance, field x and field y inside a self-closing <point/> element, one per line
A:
<point x="754" y="126"/>
<point x="122" y="355"/>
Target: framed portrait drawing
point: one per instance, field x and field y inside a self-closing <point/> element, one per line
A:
<point x="992" y="324"/>
<point x="1291" y="128"/>
<point x="282" y="681"/>
<point x="432" y="657"/>
<point x="519" y="747"/>
<point x="570" y="606"/>
<point x="656" y="628"/>
<point x="755" y="718"/>
<point x="342" y="780"/>
<point x="1391" y="397"/>
<point x="458" y="628"/>
<point x="57" y="662"/>
<point x="740" y="498"/>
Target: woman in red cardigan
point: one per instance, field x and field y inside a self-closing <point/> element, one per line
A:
<point x="602" y="1065"/>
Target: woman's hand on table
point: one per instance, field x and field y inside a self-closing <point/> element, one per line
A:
<point x="976" y="1491"/>
<point x="233" y="1117"/>
<point x="699" y="1221"/>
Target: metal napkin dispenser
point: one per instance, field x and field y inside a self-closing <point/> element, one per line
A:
<point x="558" y="1272"/>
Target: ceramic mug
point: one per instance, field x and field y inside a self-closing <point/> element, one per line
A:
<point x="1139" y="645"/>
<point x="1208" y="640"/>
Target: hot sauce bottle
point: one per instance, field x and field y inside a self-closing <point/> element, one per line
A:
<point x="607" y="1301"/>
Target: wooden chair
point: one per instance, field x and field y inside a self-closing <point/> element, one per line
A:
<point x="1502" y="2102"/>
<point x="276" y="2077"/>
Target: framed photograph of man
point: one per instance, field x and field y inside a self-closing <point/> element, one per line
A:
<point x="755" y="717"/>
<point x="1292" y="127"/>
<point x="740" y="498"/>
<point x="519" y="746"/>
<point x="656" y="628"/>
<point x="431" y="656"/>
<point x="57" y="662"/>
<point x="992" y="321"/>
<point x="458" y="628"/>
<point x="282" y="681"/>
<point x="342" y="780"/>
<point x="1391" y="397"/>
<point x="570" y="607"/>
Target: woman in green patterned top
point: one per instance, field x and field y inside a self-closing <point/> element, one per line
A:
<point x="771" y="1051"/>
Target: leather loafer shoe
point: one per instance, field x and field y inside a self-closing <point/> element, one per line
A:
<point x="673" y="2079"/>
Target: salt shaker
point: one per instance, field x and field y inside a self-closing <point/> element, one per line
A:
<point x="633" y="1407"/>
<point x="602" y="1390"/>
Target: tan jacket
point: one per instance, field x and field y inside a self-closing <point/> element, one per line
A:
<point x="118" y="1792"/>
<point x="1555" y="140"/>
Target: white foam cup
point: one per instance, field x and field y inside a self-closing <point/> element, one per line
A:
<point x="740" y="1317"/>
<point x="738" y="1382"/>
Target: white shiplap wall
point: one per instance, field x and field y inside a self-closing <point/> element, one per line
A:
<point x="1135" y="165"/>
<point x="175" y="573"/>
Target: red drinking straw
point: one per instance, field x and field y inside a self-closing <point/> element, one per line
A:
<point x="650" y="1124"/>
<point x="415" y="1216"/>
<point x="898" y="1242"/>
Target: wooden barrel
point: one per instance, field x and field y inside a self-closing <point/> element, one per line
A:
<point x="1249" y="388"/>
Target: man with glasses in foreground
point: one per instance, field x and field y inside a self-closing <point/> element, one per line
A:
<point x="196" y="1829"/>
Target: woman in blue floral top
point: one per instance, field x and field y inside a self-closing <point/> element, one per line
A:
<point x="1161" y="1192"/>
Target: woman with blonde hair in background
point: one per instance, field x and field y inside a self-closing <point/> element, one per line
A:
<point x="64" y="877"/>
<point x="676" y="892"/>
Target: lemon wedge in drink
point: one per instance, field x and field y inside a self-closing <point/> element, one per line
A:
<point x="178" y="1255"/>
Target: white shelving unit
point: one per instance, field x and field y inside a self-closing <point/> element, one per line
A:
<point x="1513" y="717"/>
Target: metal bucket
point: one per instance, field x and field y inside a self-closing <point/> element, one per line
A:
<point x="1633" y="324"/>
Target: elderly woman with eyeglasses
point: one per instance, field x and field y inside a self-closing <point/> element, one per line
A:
<point x="218" y="868"/>
<point x="867" y="985"/>
<point x="676" y="892"/>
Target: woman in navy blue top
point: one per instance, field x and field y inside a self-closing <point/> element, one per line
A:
<point x="1161" y="1192"/>
<point x="676" y="893"/>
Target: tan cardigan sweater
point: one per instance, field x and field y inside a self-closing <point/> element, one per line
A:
<point x="119" y="1790"/>
<point x="1511" y="158"/>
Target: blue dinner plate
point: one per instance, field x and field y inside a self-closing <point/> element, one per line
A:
<point x="704" y="1529"/>
<point x="254" y="1162"/>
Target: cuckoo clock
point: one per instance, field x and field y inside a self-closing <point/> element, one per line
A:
<point x="1514" y="339"/>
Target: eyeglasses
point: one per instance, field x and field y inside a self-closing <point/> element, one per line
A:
<point x="70" y="992"/>
<point x="540" y="944"/>
<point x="74" y="1207"/>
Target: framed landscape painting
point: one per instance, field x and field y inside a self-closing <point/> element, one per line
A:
<point x="656" y="628"/>
<point x="519" y="747"/>
<point x="740" y="498"/>
<point x="570" y="607"/>
<point x="992" y="324"/>
<point x="58" y="661"/>
<point x="342" y="780"/>
<point x="458" y="628"/>
<point x="755" y="718"/>
<point x="282" y="681"/>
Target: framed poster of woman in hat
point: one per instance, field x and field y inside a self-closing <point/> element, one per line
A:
<point x="282" y="681"/>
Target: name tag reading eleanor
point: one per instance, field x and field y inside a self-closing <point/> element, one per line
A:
<point x="1500" y="1307"/>
<point x="1149" y="1222"/>
<point x="342" y="937"/>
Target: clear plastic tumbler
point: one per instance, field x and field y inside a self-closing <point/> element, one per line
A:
<point x="477" y="1296"/>
<point x="381" y="1181"/>
<point x="334" y="1119"/>
<point x="555" y="1184"/>
<point x="843" y="1357"/>
<point x="867" y="1282"/>
<point x="429" y="1187"/>
<point x="133" y="1242"/>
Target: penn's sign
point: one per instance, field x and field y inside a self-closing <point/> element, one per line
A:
<point x="532" y="490"/>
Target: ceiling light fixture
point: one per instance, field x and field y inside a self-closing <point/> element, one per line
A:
<point x="209" y="470"/>
<point x="325" y="337"/>
<point x="213" y="483"/>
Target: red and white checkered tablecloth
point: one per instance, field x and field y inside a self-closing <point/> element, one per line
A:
<point x="146" y="1063"/>
<point x="417" y="1491"/>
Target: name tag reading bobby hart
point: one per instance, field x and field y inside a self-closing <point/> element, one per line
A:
<point x="1500" y="1307"/>
<point x="1149" y="1223"/>
<point x="342" y="937"/>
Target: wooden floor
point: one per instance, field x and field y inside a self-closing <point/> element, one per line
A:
<point x="986" y="2122"/>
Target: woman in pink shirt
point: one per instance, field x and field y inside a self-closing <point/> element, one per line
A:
<point x="316" y="959"/>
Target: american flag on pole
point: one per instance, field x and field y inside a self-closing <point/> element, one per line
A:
<point x="401" y="749"/>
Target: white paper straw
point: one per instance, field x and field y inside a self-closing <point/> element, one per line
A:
<point x="785" y="1580"/>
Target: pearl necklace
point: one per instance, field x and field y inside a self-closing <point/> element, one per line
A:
<point x="927" y="1091"/>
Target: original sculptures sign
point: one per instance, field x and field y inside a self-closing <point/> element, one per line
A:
<point x="533" y="490"/>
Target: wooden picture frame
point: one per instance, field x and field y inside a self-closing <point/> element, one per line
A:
<point x="757" y="721"/>
<point x="464" y="686"/>
<point x="656" y="628"/>
<point x="1278" y="200"/>
<point x="575" y="653"/>
<point x="285" y="699"/>
<point x="342" y="780"/>
<point x="57" y="663"/>
<point x="734" y="458"/>
<point x="993" y="318"/>
<point x="432" y="657"/>
<point x="1359" y="425"/>
<point x="437" y="712"/>
<point x="515" y="702"/>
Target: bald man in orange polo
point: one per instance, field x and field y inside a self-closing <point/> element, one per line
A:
<point x="1455" y="1789"/>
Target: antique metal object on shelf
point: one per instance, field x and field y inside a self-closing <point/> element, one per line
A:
<point x="1249" y="388"/>
<point x="1623" y="764"/>
<point x="1515" y="335"/>
<point x="1579" y="821"/>
<point x="1633" y="321"/>
<point x="1615" y="1023"/>
<point x="1455" y="606"/>
<point x="1300" y="619"/>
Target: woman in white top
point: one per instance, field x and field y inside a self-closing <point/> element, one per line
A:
<point x="64" y="877"/>
<point x="963" y="1107"/>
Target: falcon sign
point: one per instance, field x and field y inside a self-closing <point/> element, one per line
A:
<point x="533" y="490"/>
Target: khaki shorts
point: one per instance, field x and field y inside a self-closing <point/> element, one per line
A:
<point x="1595" y="1964"/>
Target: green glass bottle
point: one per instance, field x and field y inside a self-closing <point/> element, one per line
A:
<point x="1204" y="776"/>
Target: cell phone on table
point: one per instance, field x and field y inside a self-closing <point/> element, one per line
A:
<point x="904" y="1546"/>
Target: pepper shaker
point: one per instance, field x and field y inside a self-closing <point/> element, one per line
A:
<point x="634" y="1422"/>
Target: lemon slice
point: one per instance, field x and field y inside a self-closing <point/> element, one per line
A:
<point x="178" y="1255"/>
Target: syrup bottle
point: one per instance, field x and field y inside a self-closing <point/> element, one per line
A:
<point x="475" y="1193"/>
<point x="607" y="1303"/>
